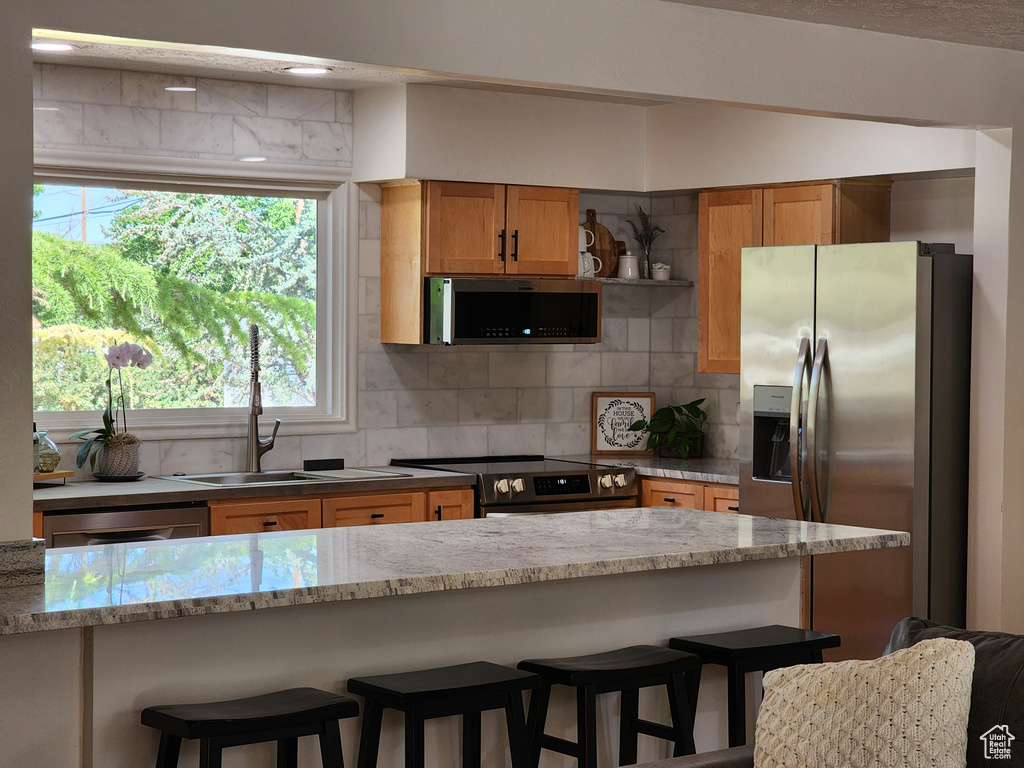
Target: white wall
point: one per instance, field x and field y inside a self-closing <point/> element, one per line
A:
<point x="935" y="210"/>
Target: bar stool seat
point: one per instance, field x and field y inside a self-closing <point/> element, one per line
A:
<point x="282" y="716"/>
<point x="463" y="689"/>
<point x="626" y="670"/>
<point x="751" y="650"/>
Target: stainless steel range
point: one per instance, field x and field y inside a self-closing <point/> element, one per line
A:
<point x="534" y="485"/>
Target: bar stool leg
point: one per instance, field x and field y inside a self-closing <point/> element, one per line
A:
<point x="586" y="725"/>
<point x="369" y="736"/>
<point x="471" y="740"/>
<point x="167" y="754"/>
<point x="737" y="707"/>
<point x="518" y="736"/>
<point x="330" y="745"/>
<point x="682" y="716"/>
<point x="535" y="722"/>
<point x="210" y="753"/>
<point x="288" y="752"/>
<point x="414" y="748"/>
<point x="629" y="713"/>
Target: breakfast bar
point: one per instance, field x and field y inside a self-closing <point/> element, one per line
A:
<point x="119" y="627"/>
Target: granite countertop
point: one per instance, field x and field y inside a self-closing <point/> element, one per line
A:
<point x="726" y="471"/>
<point x="87" y="495"/>
<point x="120" y="583"/>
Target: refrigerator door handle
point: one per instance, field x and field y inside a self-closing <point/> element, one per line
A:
<point x="801" y="384"/>
<point x="819" y="509"/>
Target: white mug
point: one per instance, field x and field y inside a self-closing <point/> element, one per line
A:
<point x="586" y="239"/>
<point x="589" y="265"/>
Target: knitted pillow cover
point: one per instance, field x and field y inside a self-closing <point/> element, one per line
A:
<point x="908" y="709"/>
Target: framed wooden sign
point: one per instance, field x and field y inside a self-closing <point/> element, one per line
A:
<point x="613" y="413"/>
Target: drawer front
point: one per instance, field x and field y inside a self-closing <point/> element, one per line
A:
<point x="374" y="510"/>
<point x="263" y="516"/>
<point x="722" y="498"/>
<point x="671" y="493"/>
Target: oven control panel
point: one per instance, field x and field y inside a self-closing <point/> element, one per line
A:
<point x="555" y="485"/>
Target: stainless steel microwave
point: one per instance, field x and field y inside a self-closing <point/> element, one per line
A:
<point x="472" y="310"/>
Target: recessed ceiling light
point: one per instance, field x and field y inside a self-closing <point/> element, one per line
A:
<point x="308" y="70"/>
<point x="252" y="159"/>
<point x="53" y="47"/>
<point x="180" y="88"/>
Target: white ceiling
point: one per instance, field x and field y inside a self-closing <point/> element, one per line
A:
<point x="993" y="23"/>
<point x="990" y="23"/>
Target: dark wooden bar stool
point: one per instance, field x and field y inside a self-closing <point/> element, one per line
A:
<point x="751" y="650"/>
<point x="626" y="670"/>
<point x="464" y="689"/>
<point x="282" y="716"/>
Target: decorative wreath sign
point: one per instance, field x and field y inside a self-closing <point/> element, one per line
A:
<point x="613" y="413"/>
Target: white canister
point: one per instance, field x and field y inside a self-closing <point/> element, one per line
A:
<point x="628" y="268"/>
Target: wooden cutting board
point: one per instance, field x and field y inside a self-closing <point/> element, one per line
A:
<point x="604" y="246"/>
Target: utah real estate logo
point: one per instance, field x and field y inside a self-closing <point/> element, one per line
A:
<point x="997" y="742"/>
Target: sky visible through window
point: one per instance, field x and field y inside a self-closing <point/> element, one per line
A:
<point x="184" y="274"/>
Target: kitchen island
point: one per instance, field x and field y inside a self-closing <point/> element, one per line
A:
<point x="116" y="628"/>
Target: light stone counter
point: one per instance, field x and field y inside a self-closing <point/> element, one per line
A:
<point x="726" y="471"/>
<point x="121" y="583"/>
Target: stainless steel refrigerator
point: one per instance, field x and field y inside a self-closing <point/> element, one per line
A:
<point x="854" y="409"/>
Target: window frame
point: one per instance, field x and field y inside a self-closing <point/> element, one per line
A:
<point x="336" y="318"/>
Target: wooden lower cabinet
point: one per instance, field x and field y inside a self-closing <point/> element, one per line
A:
<point x="722" y="498"/>
<point x="374" y="509"/>
<point x="661" y="492"/>
<point x="262" y="515"/>
<point x="454" y="504"/>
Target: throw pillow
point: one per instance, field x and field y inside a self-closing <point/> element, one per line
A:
<point x="907" y="709"/>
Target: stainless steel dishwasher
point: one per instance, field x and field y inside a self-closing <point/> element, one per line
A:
<point x="118" y="525"/>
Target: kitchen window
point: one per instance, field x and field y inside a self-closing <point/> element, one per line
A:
<point x="183" y="268"/>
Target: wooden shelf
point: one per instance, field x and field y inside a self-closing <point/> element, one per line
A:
<point x="624" y="281"/>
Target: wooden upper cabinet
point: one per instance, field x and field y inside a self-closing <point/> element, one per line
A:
<point x="543" y="231"/>
<point x="790" y="214"/>
<point x="728" y="220"/>
<point x="464" y="225"/>
<point x="798" y="215"/>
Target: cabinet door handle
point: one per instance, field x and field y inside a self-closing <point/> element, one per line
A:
<point x="515" y="245"/>
<point x="269" y="523"/>
<point x="501" y="248"/>
<point x="734" y="509"/>
<point x="438" y="511"/>
<point x="670" y="501"/>
<point x="376" y="515"/>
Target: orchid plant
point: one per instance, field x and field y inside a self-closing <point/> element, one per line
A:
<point x="126" y="355"/>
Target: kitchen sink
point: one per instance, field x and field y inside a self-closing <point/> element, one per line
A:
<point x="275" y="477"/>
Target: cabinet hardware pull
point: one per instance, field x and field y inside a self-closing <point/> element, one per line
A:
<point x="270" y="522"/>
<point x="501" y="250"/>
<point x="515" y="245"/>
<point x="375" y="515"/>
<point x="670" y="501"/>
<point x="734" y="509"/>
<point x="438" y="511"/>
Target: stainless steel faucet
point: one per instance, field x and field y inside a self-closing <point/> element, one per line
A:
<point x="255" y="447"/>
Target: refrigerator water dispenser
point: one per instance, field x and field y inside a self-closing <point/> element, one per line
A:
<point x="770" y="454"/>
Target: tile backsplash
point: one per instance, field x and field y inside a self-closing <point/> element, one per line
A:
<point x="411" y="401"/>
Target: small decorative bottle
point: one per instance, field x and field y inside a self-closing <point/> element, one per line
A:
<point x="45" y="452"/>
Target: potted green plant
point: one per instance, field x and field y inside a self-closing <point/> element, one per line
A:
<point x="676" y="429"/>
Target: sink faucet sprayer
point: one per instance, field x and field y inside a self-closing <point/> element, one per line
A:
<point x="255" y="447"/>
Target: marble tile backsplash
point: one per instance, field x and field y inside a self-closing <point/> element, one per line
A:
<point x="411" y="401"/>
<point x="104" y="110"/>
